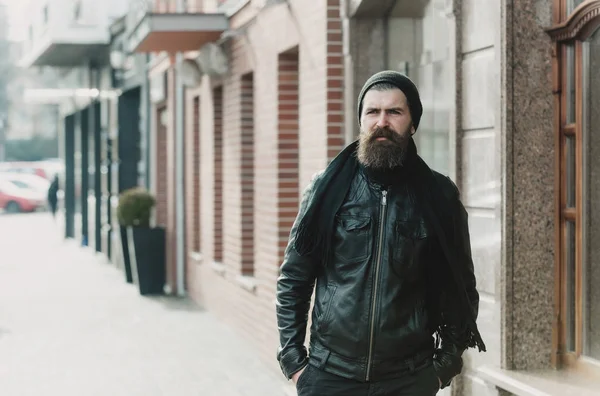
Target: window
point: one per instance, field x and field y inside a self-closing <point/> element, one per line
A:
<point x="572" y="4"/>
<point x="20" y="184"/>
<point x="218" y="174"/>
<point x="590" y="126"/>
<point x="194" y="192"/>
<point x="577" y="75"/>
<point x="288" y="144"/>
<point x="247" y="174"/>
<point x="423" y="54"/>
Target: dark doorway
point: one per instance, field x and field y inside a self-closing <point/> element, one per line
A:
<point x="129" y="138"/>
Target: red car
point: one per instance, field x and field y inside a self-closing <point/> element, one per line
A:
<point x="45" y="169"/>
<point x="14" y="199"/>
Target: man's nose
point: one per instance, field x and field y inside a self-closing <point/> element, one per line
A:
<point x="382" y="120"/>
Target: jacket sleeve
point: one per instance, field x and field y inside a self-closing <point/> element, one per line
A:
<point x="294" y="290"/>
<point x="454" y="333"/>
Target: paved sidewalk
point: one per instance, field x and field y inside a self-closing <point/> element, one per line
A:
<point x="71" y="326"/>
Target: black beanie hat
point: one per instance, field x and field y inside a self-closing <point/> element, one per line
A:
<point x="404" y="84"/>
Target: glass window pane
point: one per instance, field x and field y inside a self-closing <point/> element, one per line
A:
<point x="572" y="4"/>
<point x="570" y="286"/>
<point x="591" y="264"/>
<point x="424" y="55"/>
<point x="570" y="82"/>
<point x="571" y="182"/>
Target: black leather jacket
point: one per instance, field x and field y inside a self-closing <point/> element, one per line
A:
<point x="378" y="301"/>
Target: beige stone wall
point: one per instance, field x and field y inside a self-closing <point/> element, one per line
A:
<point x="480" y="161"/>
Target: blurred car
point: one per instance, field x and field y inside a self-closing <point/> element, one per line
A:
<point x="31" y="182"/>
<point x="14" y="199"/>
<point x="46" y="169"/>
<point x="29" y="168"/>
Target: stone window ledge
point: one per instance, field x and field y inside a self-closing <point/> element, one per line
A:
<point x="219" y="268"/>
<point x="196" y="256"/>
<point x="540" y="383"/>
<point x="247" y="283"/>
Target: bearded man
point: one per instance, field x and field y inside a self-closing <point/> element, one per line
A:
<point x="386" y="241"/>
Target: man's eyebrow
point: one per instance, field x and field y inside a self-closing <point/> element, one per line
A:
<point x="371" y="108"/>
<point x="379" y="108"/>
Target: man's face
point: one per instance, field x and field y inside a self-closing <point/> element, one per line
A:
<point x="386" y="126"/>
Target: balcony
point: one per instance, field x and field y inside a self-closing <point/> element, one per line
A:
<point x="179" y="32"/>
<point x="70" y="33"/>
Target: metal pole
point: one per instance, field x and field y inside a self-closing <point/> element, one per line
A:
<point x="179" y="168"/>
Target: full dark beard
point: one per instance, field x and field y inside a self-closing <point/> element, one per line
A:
<point x="382" y="155"/>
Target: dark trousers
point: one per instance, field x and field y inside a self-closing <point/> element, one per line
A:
<point x="317" y="382"/>
<point x="53" y="206"/>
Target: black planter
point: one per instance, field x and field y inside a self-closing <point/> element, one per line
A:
<point x="147" y="253"/>
<point x="125" y="250"/>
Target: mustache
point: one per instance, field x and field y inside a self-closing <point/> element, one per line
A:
<point x="385" y="133"/>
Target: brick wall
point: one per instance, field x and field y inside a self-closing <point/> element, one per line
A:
<point x="270" y="149"/>
<point x="231" y="138"/>
<point x="335" y="80"/>
<point x="194" y="5"/>
<point x="161" y="5"/>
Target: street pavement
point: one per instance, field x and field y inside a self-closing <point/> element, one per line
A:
<point x="71" y="326"/>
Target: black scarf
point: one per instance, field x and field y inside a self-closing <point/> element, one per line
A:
<point x="316" y="224"/>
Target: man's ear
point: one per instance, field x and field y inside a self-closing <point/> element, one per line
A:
<point x="412" y="130"/>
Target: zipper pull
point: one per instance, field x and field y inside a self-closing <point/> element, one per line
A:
<point x="384" y="197"/>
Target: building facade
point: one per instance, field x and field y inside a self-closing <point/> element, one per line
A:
<point x="72" y="39"/>
<point x="125" y="147"/>
<point x="493" y="83"/>
<point x="253" y="135"/>
<point x="244" y="100"/>
<point x="5" y="68"/>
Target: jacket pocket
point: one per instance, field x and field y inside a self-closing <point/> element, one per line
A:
<point x="326" y="302"/>
<point x="409" y="250"/>
<point x="352" y="242"/>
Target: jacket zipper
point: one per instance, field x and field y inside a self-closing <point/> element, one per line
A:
<point x="376" y="281"/>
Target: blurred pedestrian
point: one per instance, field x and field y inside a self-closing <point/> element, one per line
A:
<point x="386" y="240"/>
<point x="53" y="195"/>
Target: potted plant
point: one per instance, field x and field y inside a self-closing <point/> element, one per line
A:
<point x="143" y="245"/>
